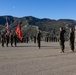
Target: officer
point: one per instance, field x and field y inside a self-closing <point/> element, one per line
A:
<point x="39" y="39"/>
<point x="61" y="39"/>
<point x="71" y="39"/>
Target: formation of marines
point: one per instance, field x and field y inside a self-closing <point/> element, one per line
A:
<point x="13" y="39"/>
<point x="6" y="38"/>
<point x="62" y="39"/>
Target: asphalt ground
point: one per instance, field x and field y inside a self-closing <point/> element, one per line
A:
<point x="28" y="59"/>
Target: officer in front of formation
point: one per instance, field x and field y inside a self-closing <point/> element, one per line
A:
<point x="39" y="39"/>
<point x="61" y="39"/>
<point x="71" y="39"/>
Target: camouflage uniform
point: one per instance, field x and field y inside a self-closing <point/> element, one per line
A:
<point x="39" y="39"/>
<point x="7" y="40"/>
<point x="2" y="39"/>
<point x="15" y="39"/>
<point x="11" y="40"/>
<point x="71" y="38"/>
<point x="34" y="38"/>
<point x="62" y="41"/>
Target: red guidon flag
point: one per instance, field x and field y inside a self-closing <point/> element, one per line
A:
<point x="18" y="31"/>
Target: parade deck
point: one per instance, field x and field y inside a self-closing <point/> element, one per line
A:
<point x="28" y="59"/>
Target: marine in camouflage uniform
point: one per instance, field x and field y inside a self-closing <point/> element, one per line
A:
<point x="2" y="39"/>
<point x="11" y="37"/>
<point x="15" y="39"/>
<point x="61" y="39"/>
<point x="39" y="39"/>
<point x="7" y="39"/>
<point x="71" y="39"/>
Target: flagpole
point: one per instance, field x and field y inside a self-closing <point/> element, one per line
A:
<point x="7" y="28"/>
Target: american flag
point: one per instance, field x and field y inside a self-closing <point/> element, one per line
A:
<point x="7" y="27"/>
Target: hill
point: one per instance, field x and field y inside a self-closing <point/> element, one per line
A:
<point x="30" y="24"/>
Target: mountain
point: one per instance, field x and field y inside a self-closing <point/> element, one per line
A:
<point x="45" y="24"/>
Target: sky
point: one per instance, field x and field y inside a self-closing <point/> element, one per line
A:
<point x="53" y="9"/>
